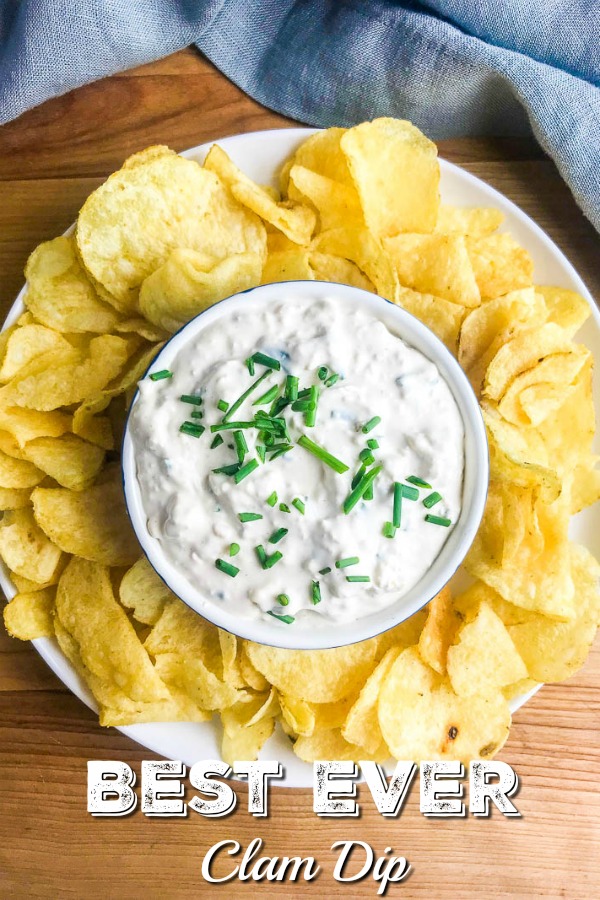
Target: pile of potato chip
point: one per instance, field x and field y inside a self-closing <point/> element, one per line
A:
<point x="159" y="241"/>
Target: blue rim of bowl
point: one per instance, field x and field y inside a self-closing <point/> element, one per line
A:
<point x="458" y="373"/>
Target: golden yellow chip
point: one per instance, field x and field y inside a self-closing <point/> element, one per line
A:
<point x="25" y="548"/>
<point x="362" y="723"/>
<point x="439" y="631"/>
<point x="342" y="271"/>
<point x="73" y="463"/>
<point x="195" y="680"/>
<point x="320" y="676"/>
<point x="60" y="295"/>
<point x="144" y="592"/>
<point x="251" y="676"/>
<point x="329" y="744"/>
<point x="26" y="344"/>
<point x="92" y="523"/>
<point x="28" y="424"/>
<point x="359" y="246"/>
<point x="396" y="172"/>
<point x="145" y="329"/>
<point x="18" y="473"/>
<point x="29" y="616"/>
<point x="287" y="265"/>
<point x="524" y="351"/>
<point x="189" y="282"/>
<point x="441" y="316"/>
<point x="566" y="308"/>
<point x="246" y="727"/>
<point x="232" y="673"/>
<point x="298" y="714"/>
<point x="435" y="264"/>
<point x="484" y="657"/>
<point x="539" y="391"/>
<point x="321" y="153"/>
<point x="473" y="221"/>
<point x="128" y="227"/>
<point x="422" y="718"/>
<point x="296" y="221"/>
<point x="14" y="498"/>
<point x="336" y="203"/>
<point x="500" y="264"/>
<point x="181" y="631"/>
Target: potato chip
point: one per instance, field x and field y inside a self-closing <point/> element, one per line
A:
<point x="333" y="715"/>
<point x="320" y="676"/>
<point x="336" y="203"/>
<point x="362" y="723"/>
<point x="538" y="392"/>
<point x="144" y="592"/>
<point x="553" y="651"/>
<point x="396" y="172"/>
<point x="565" y="308"/>
<point x="321" y="153"/>
<point x="143" y="328"/>
<point x="287" y="265"/>
<point x="181" y="631"/>
<point x="403" y="635"/>
<point x="73" y="463"/>
<point x="296" y="221"/>
<point x="128" y="227"/>
<point x="25" y="548"/>
<point x="229" y="653"/>
<point x="584" y="485"/>
<point x="298" y="713"/>
<point x="195" y="680"/>
<point x="473" y="221"/>
<point x="29" y="616"/>
<point x="569" y="433"/>
<point x="359" y="246"/>
<point x="27" y="586"/>
<point x="18" y="473"/>
<point x="342" y="271"/>
<point x="28" y="343"/>
<point x="522" y="352"/>
<point x="435" y="264"/>
<point x="500" y="264"/>
<point x="242" y="740"/>
<point x="60" y="295"/>
<point x="422" y="718"/>
<point x="28" y="424"/>
<point x="250" y="674"/>
<point x="326" y="745"/>
<point x="63" y="381"/>
<point x="519" y="688"/>
<point x="441" y="316"/>
<point x="484" y="657"/>
<point x="468" y="603"/>
<point x="92" y="523"/>
<point x="14" y="498"/>
<point x="439" y="631"/>
<point x="189" y="282"/>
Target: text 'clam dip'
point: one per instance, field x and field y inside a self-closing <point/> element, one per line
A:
<point x="299" y="460"/>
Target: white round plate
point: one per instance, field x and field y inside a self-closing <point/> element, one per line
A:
<point x="260" y="154"/>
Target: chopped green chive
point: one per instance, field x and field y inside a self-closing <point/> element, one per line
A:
<point x="355" y="495"/>
<point x="272" y="560"/>
<point x="223" y="405"/>
<point x="371" y="424"/>
<point x="291" y="388"/>
<point x="241" y="447"/>
<point x="261" y="452"/>
<point x="194" y="399"/>
<point x="243" y="397"/>
<point x="261" y="553"/>
<point x="322" y="373"/>
<point x="315" y="592"/>
<point x="250" y="365"/>
<point x="226" y="567"/>
<point x="368" y="495"/>
<point x="284" y="508"/>
<point x="311" y="414"/>
<point x="249" y="517"/>
<point x="245" y="471"/>
<point x="389" y="530"/>
<point x="272" y="498"/>
<point x="263" y="360"/>
<point x="234" y="549"/>
<point x="289" y="620"/>
<point x="284" y="448"/>
<point x="216" y="441"/>
<point x="372" y="444"/>
<point x="397" y="514"/>
<point x="299" y="504"/>
<point x="278" y="535"/>
<point x="367" y="457"/>
<point x="283" y="599"/>
<point x="325" y="571"/>
<point x="233" y="469"/>
<point x="358" y="475"/>
<point x="336" y="464"/>
<point x="279" y="405"/>
<point x="438" y="520"/>
<point x="329" y="382"/>
<point x="355" y="579"/>
<point x="347" y="561"/>
<point x="409" y="493"/>
<point x="158" y="376"/>
<point x="197" y="414"/>
<point x="267" y="397"/>
<point x="192" y="428"/>
<point x="432" y="499"/>
<point x="414" y="479"/>
<point x="231" y="426"/>
<point x="303" y="405"/>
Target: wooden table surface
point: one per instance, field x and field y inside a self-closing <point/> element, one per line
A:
<point x="50" y="160"/>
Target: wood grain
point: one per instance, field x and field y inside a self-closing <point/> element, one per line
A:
<point x="50" y="159"/>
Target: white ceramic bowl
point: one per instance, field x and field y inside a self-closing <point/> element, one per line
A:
<point x="476" y="472"/>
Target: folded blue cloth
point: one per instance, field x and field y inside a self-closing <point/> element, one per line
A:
<point x="495" y="67"/>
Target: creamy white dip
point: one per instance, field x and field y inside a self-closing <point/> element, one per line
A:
<point x="193" y="512"/>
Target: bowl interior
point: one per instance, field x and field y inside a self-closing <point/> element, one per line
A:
<point x="475" y="480"/>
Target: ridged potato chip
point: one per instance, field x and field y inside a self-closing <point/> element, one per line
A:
<point x="60" y="295"/>
<point x="18" y="473"/>
<point x="26" y="425"/>
<point x="539" y="391"/>
<point x="25" y="344"/>
<point x="362" y="723"/>
<point x="327" y="267"/>
<point x="422" y="718"/>
<point x="337" y="204"/>
<point x="189" y="282"/>
<point x="73" y="463"/>
<point x="29" y="616"/>
<point x="441" y="316"/>
<point x="435" y="264"/>
<point x="566" y="308"/>
<point x="396" y="172"/>
<point x="92" y="523"/>
<point x="287" y="265"/>
<point x="14" y="498"/>
<point x="474" y="221"/>
<point x="143" y="592"/>
<point x="359" y="246"/>
<point x="330" y="744"/>
<point x="153" y="205"/>
<point x="500" y="264"/>
<point x="439" y="631"/>
<point x="25" y="548"/>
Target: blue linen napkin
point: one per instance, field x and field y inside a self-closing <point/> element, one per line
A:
<point x="486" y="67"/>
